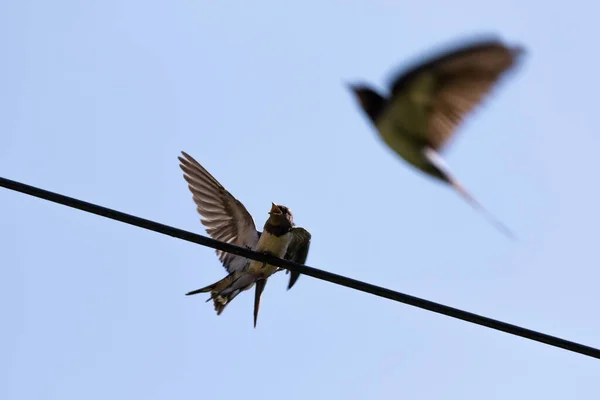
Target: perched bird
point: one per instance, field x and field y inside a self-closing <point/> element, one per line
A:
<point x="430" y="100"/>
<point x="226" y="219"/>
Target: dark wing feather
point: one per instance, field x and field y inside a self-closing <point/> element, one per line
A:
<point x="297" y="251"/>
<point x="225" y="218"/>
<point x="463" y="77"/>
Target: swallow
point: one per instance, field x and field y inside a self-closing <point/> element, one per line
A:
<point x="226" y="219"/>
<point x="429" y="101"/>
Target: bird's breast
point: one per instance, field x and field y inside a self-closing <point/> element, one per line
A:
<point x="274" y="245"/>
<point x="401" y="133"/>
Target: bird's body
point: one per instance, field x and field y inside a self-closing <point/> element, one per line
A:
<point x="397" y="136"/>
<point x="273" y="240"/>
<point x="429" y="101"/>
<point x="228" y="220"/>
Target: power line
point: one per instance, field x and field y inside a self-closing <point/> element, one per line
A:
<point x="303" y="269"/>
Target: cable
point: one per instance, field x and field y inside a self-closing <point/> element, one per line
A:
<point x="303" y="269"/>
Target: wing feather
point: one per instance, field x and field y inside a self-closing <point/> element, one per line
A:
<point x="297" y="251"/>
<point x="463" y="78"/>
<point x="224" y="217"/>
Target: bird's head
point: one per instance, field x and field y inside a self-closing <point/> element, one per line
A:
<point x="370" y="101"/>
<point x="280" y="216"/>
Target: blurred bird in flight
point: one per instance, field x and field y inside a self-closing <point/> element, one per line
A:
<point x="429" y="101"/>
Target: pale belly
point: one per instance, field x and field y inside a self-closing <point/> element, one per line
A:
<point x="398" y="127"/>
<point x="275" y="245"/>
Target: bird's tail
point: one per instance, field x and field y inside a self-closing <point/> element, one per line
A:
<point x="475" y="204"/>
<point x="260" y="286"/>
<point x="222" y="292"/>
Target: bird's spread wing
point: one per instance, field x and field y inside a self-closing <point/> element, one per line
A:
<point x="225" y="218"/>
<point x="460" y="79"/>
<point x="297" y="251"/>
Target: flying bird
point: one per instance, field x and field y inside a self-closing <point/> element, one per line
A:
<point x="430" y="100"/>
<point x="226" y="219"/>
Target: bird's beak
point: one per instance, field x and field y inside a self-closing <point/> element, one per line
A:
<point x="350" y="87"/>
<point x="275" y="210"/>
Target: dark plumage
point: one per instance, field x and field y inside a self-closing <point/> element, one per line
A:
<point x="297" y="251"/>
<point x="429" y="101"/>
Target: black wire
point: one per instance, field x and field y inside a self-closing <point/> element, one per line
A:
<point x="303" y="269"/>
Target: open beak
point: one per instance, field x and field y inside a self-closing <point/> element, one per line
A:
<point x="275" y="210"/>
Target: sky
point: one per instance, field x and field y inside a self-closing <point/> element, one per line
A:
<point x="97" y="100"/>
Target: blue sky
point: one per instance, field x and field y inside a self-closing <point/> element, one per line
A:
<point x="98" y="98"/>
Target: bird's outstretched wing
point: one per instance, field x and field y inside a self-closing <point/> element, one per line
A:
<point x="225" y="218"/>
<point x="454" y="83"/>
<point x="297" y="251"/>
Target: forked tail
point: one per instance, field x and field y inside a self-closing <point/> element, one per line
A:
<point x="220" y="299"/>
<point x="475" y="204"/>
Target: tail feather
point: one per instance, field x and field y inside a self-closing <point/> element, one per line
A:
<point x="475" y="204"/>
<point x="260" y="286"/>
<point x="219" y="293"/>
<point x="220" y="301"/>
<point x="203" y="290"/>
